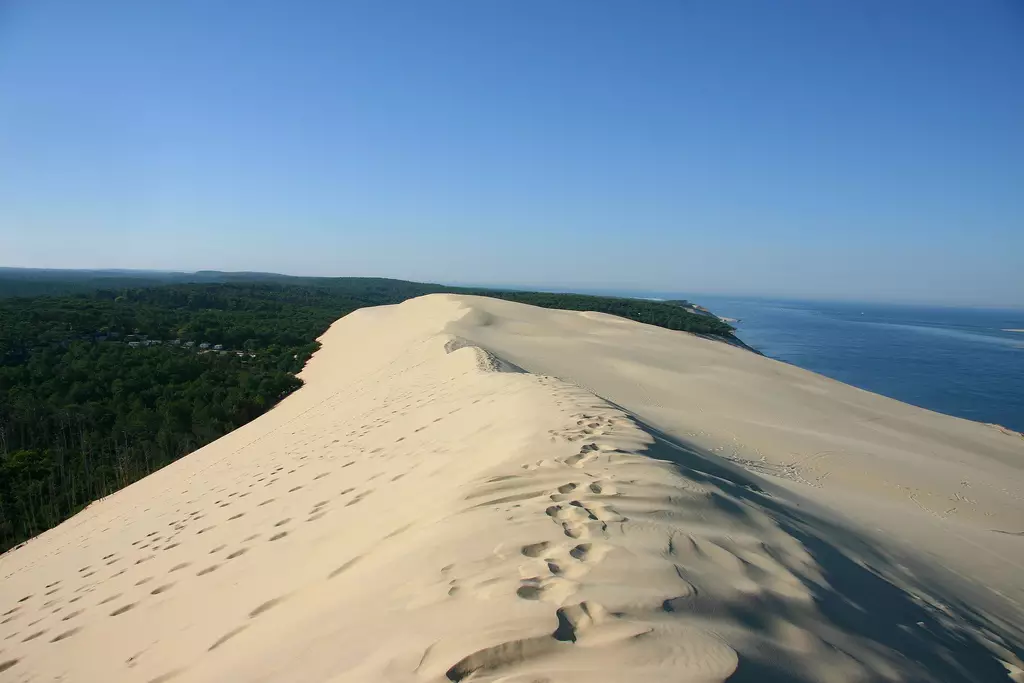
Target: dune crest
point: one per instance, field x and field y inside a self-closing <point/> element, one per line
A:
<point x="474" y="490"/>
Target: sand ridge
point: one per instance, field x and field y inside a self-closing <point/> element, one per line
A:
<point x="425" y="509"/>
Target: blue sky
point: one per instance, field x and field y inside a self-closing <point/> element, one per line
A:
<point x="867" y="150"/>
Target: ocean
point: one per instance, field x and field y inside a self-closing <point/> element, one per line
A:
<point x="957" y="361"/>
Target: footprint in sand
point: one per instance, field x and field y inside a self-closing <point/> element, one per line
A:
<point x="344" y="567"/>
<point x="123" y="609"/>
<point x="566" y="568"/>
<point x="359" y="497"/>
<point x="576" y="530"/>
<point x="553" y="589"/>
<point x="535" y="549"/>
<point x="573" y="512"/>
<point x="603" y="512"/>
<point x="267" y="606"/>
<point x="65" y="635"/>
<point x="227" y="636"/>
<point x="589" y="552"/>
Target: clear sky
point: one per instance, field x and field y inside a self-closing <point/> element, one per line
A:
<point x="869" y="149"/>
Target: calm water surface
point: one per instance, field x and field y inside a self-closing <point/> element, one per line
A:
<point x="958" y="361"/>
<point x="952" y="360"/>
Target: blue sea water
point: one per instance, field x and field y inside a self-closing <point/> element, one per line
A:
<point x="957" y="361"/>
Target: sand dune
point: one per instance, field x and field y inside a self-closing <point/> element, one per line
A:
<point x="475" y="490"/>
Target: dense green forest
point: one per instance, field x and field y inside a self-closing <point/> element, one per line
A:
<point x="55" y="282"/>
<point x="669" y="316"/>
<point x="100" y="388"/>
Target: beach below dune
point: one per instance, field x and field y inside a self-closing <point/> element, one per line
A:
<point x="468" y="489"/>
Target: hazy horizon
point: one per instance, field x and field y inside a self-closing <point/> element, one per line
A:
<point x="832" y="151"/>
<point x="597" y="290"/>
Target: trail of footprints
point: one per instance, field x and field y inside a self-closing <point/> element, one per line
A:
<point x="149" y="548"/>
<point x="580" y="494"/>
<point x="63" y="614"/>
<point x="580" y="507"/>
<point x="577" y="495"/>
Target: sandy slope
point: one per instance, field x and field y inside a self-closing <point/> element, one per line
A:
<point x="646" y="505"/>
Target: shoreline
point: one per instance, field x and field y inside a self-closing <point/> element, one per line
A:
<point x="466" y="488"/>
<point x="885" y="354"/>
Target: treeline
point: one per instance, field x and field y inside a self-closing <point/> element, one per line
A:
<point x="89" y="403"/>
<point x="99" y="389"/>
<point x="662" y="314"/>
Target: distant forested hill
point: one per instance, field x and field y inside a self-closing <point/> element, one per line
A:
<point x="47" y="282"/>
<point x="102" y="387"/>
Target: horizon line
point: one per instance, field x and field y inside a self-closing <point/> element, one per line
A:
<point x="563" y="288"/>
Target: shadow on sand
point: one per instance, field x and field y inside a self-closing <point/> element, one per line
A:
<point x="921" y="627"/>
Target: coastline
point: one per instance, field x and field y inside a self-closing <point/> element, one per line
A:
<point x="955" y="361"/>
<point x="474" y="489"/>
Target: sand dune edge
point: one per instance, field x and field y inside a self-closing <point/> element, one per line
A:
<point x="425" y="509"/>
